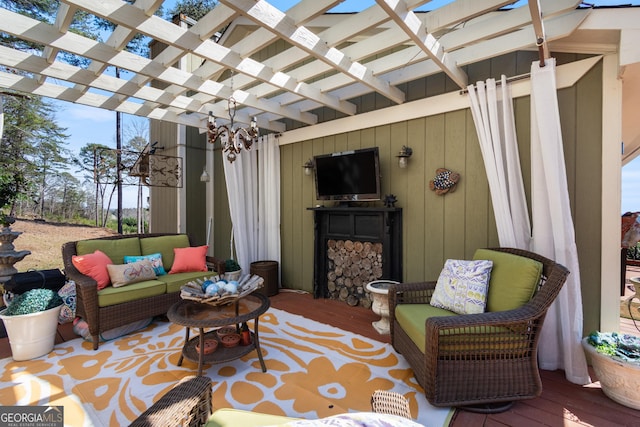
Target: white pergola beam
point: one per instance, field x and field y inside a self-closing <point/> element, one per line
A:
<point x="274" y="20"/>
<point x="415" y="29"/>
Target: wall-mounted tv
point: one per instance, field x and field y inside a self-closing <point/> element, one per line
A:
<point x="348" y="175"/>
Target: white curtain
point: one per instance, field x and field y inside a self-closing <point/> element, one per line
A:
<point x="1" y="116"/>
<point x="553" y="231"/>
<point x="493" y="116"/>
<point x="253" y="188"/>
<point x="269" y="199"/>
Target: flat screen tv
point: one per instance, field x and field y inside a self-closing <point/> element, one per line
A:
<point x="348" y="176"/>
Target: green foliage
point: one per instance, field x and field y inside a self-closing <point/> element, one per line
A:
<point x="33" y="301"/>
<point x="231" y="265"/>
<point x="622" y="346"/>
<point x="194" y="9"/>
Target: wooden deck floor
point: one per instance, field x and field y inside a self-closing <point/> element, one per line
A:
<point x="561" y="403"/>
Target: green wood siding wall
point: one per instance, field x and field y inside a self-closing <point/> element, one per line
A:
<point x="196" y="203"/>
<point x="454" y="225"/>
<point x="163" y="201"/>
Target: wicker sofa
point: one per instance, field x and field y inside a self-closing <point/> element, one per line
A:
<point x="483" y="361"/>
<point x="112" y="307"/>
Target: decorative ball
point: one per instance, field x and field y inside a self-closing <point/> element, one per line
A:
<point x="206" y="284"/>
<point x="231" y="288"/>
<point x="212" y="289"/>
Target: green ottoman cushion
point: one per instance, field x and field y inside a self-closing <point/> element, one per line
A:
<point x="164" y="245"/>
<point x="226" y="417"/>
<point x="514" y="279"/>
<point x="115" y="249"/>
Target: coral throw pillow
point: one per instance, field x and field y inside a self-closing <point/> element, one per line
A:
<point x="95" y="266"/>
<point x="462" y="286"/>
<point x="189" y="259"/>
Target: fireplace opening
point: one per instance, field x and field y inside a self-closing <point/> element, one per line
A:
<point x="350" y="266"/>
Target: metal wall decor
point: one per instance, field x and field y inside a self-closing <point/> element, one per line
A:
<point x="444" y="182"/>
<point x="152" y="170"/>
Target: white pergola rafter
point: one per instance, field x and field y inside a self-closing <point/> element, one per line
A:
<point x="321" y="59"/>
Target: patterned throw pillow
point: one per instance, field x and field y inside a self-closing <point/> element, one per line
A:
<point x="462" y="286"/>
<point x="68" y="295"/>
<point x="126" y="274"/>
<point x="156" y="262"/>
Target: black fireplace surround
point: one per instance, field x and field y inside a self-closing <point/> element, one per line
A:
<point x="364" y="224"/>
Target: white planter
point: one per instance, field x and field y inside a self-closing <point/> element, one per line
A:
<point x="31" y="335"/>
<point x="619" y="380"/>
<point x="380" y="298"/>
<point x="233" y="275"/>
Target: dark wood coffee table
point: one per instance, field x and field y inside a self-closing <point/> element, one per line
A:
<point x="192" y="314"/>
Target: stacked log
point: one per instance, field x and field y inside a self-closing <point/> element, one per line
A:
<point x="350" y="266"/>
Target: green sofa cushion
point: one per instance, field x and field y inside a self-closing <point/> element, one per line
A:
<point x="514" y="279"/>
<point x="226" y="417"/>
<point x="164" y="245"/>
<point x="115" y="249"/>
<point x="412" y="318"/>
<point x="112" y="296"/>
<point x="175" y="281"/>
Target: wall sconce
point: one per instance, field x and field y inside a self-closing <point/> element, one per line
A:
<point x="308" y="167"/>
<point x="403" y="156"/>
<point x="205" y="175"/>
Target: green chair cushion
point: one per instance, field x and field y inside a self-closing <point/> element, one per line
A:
<point x="226" y="417"/>
<point x="112" y="296"/>
<point x="164" y="245"/>
<point x="115" y="249"/>
<point x="514" y="279"/>
<point x="412" y="317"/>
<point x="175" y="281"/>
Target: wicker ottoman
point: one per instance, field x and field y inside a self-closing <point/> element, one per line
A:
<point x="187" y="404"/>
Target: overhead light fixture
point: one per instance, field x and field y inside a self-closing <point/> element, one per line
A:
<point x="308" y="167"/>
<point x="233" y="139"/>
<point x="205" y="175"/>
<point x="403" y="156"/>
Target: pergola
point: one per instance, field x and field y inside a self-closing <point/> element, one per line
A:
<point x="327" y="63"/>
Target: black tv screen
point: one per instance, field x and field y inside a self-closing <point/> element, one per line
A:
<point x="348" y="175"/>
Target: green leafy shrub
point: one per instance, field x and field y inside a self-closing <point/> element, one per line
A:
<point x="231" y="265"/>
<point x="33" y="301"/>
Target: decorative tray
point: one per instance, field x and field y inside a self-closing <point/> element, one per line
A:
<point x="217" y="291"/>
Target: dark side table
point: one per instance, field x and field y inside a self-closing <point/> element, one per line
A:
<point x="192" y="314"/>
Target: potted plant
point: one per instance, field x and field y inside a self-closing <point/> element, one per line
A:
<point x="31" y="321"/>
<point x="616" y="361"/>
<point x="232" y="270"/>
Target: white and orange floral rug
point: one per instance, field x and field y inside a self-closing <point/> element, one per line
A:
<point x="313" y="371"/>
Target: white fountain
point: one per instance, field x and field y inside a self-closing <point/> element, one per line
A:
<point x="8" y="255"/>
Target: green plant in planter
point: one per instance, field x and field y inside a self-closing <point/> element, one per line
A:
<point x="33" y="301"/>
<point x="623" y="346"/>
<point x="231" y="265"/>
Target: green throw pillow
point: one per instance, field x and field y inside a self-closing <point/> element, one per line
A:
<point x="164" y="245"/>
<point x="115" y="249"/>
<point x="514" y="279"/>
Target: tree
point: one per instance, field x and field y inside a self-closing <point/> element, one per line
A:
<point x="32" y="144"/>
<point x="194" y="9"/>
<point x="100" y="166"/>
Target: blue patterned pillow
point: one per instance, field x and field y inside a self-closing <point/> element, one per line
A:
<point x="462" y="286"/>
<point x="156" y="262"/>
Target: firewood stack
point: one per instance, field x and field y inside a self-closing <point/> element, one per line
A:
<point x="351" y="265"/>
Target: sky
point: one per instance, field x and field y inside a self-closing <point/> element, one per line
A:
<point x="92" y="125"/>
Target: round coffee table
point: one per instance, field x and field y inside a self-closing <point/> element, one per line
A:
<point x="192" y="314"/>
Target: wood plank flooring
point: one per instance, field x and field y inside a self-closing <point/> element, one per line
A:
<point x="561" y="404"/>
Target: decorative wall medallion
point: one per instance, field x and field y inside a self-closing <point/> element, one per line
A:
<point x="444" y="182"/>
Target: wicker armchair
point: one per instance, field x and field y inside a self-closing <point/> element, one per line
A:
<point x="483" y="362"/>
